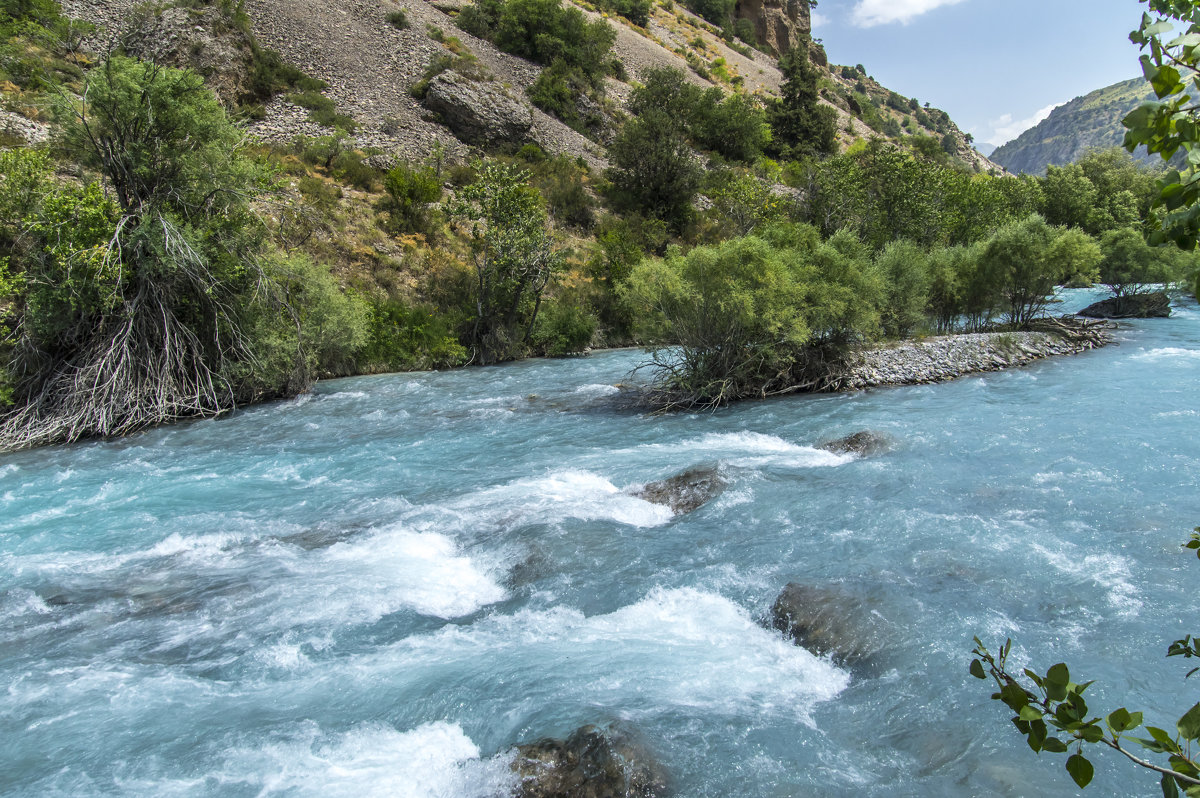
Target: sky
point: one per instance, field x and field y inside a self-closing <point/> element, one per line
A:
<point x="996" y="66"/>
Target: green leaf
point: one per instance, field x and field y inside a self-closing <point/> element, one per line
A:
<point x="1118" y="720"/>
<point x="1058" y="674"/>
<point x="1091" y="734"/>
<point x="1189" y="724"/>
<point x="1054" y="745"/>
<point x="1014" y="697"/>
<point x="1030" y="712"/>
<point x="977" y="669"/>
<point x="1169" y="788"/>
<point x="1080" y="769"/>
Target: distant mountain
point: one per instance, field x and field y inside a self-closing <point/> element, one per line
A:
<point x="985" y="149"/>
<point x="1093" y="120"/>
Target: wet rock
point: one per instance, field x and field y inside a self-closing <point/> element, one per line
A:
<point x="590" y="763"/>
<point x="478" y="112"/>
<point x="685" y="492"/>
<point x="1138" y="306"/>
<point x="864" y="444"/>
<point x="828" y="620"/>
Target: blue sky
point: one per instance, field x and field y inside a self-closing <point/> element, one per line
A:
<point x="997" y="66"/>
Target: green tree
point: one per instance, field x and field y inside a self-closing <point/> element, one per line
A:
<point x="514" y="258"/>
<point x="800" y="124"/>
<point x="1028" y="259"/>
<point x="654" y="171"/>
<point x="754" y="316"/>
<point x="1131" y="266"/>
<point x="904" y="268"/>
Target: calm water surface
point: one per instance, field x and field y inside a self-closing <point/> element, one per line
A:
<point x="380" y="588"/>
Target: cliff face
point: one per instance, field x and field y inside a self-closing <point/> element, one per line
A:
<point x="779" y="24"/>
<point x="1093" y="120"/>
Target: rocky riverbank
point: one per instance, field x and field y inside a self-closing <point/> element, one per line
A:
<point x="950" y="357"/>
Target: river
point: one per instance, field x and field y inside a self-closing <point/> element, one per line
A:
<point x="382" y="587"/>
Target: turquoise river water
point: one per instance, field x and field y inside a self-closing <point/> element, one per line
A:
<point x="382" y="587"/>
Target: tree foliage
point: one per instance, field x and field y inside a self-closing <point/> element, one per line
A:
<point x="753" y="316"/>
<point x="1171" y="122"/>
<point x="514" y="258"/>
<point x="801" y="124"/>
<point x="149" y="299"/>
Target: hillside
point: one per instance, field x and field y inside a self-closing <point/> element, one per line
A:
<point x="371" y="68"/>
<point x="1087" y="122"/>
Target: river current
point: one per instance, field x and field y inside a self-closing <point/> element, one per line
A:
<point x="382" y="587"/>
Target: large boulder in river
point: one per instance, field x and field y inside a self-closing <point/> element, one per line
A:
<point x="863" y="444"/>
<point x="829" y="620"/>
<point x="687" y="491"/>
<point x="1136" y="306"/>
<point x="591" y="763"/>
<point x="478" y="111"/>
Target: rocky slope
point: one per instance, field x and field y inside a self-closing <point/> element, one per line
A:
<point x="371" y="67"/>
<point x="1090" y="121"/>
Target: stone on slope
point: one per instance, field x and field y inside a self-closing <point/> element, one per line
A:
<point x="478" y="112"/>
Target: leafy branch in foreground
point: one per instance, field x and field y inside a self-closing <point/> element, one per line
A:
<point x="1054" y="717"/>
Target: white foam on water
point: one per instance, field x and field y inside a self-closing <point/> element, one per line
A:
<point x="389" y="571"/>
<point x="19" y="602"/>
<point x="9" y="468"/>
<point x="597" y="390"/>
<point x="435" y="760"/>
<point x="676" y="648"/>
<point x="580" y="495"/>
<point x="753" y="449"/>
<point x="1111" y="572"/>
<point x="1167" y="353"/>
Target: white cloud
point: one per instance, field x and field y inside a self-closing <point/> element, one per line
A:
<point x="819" y="20"/>
<point x="869" y="13"/>
<point x="1005" y="129"/>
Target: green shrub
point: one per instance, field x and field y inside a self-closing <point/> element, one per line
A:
<point x="398" y="19"/>
<point x="404" y="338"/>
<point x="718" y="12"/>
<point x="904" y="268"/>
<point x="563" y="328"/>
<point x="636" y="11"/>
<point x="323" y="110"/>
<point x="410" y="191"/>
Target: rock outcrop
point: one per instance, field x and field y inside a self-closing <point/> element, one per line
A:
<point x="1137" y="306"/>
<point x="591" y="763"/>
<point x="478" y="112"/>
<point x="863" y="444"/>
<point x="778" y="24"/>
<point x="685" y="492"/>
<point x="196" y="39"/>
<point x="827" y="620"/>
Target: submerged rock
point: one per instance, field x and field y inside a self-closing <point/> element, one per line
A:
<point x="591" y="763"/>
<point x="865" y="444"/>
<point x="827" y="620"/>
<point x="685" y="492"/>
<point x="1138" y="306"/>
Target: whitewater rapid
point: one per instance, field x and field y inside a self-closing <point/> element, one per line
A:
<point x="383" y="587"/>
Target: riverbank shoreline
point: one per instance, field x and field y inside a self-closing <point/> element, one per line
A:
<point x="950" y="357"/>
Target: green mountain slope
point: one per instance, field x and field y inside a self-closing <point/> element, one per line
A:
<point x="1093" y="120"/>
